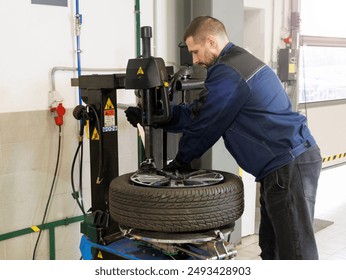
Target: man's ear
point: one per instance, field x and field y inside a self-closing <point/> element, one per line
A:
<point x="211" y="41"/>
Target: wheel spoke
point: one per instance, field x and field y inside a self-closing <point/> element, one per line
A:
<point x="196" y="178"/>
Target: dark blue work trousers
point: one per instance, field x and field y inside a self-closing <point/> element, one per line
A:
<point x="287" y="209"/>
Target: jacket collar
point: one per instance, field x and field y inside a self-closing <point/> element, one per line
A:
<point x="226" y="48"/>
<point x="224" y="51"/>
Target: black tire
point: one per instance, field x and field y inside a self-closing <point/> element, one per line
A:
<point x="183" y="209"/>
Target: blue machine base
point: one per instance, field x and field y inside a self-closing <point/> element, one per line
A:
<point x="122" y="249"/>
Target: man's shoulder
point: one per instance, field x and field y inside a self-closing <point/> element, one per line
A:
<point x="242" y="61"/>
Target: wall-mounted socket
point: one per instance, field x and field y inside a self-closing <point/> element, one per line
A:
<point x="54" y="98"/>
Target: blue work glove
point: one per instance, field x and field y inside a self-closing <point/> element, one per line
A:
<point x="134" y="115"/>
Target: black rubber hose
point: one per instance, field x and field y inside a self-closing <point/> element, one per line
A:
<point x="50" y="193"/>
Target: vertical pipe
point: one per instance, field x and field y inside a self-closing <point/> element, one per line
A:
<point x="295" y="23"/>
<point x="78" y="22"/>
<point x="138" y="53"/>
<point x="138" y="27"/>
<point x="52" y="243"/>
<point x="295" y="34"/>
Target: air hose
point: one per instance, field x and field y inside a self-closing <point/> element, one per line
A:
<point x="82" y="114"/>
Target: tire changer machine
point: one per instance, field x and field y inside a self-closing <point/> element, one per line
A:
<point x="104" y="237"/>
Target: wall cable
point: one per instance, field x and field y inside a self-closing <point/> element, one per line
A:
<point x="50" y="193"/>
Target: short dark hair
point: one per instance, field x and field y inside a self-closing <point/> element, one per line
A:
<point x="203" y="26"/>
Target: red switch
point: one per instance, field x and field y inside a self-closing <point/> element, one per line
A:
<point x="60" y="112"/>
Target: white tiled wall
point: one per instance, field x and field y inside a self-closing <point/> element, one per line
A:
<point x="28" y="152"/>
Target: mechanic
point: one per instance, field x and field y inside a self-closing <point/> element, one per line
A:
<point x="245" y="103"/>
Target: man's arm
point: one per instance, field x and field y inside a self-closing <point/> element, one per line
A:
<point x="227" y="94"/>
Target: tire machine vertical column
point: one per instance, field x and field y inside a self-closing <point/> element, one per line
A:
<point x="99" y="93"/>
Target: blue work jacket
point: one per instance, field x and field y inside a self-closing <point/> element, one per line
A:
<point x="245" y="103"/>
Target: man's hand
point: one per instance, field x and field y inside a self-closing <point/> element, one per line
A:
<point x="133" y="115"/>
<point x="175" y="165"/>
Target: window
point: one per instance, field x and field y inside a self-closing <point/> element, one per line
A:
<point x="322" y="73"/>
<point x="323" y="52"/>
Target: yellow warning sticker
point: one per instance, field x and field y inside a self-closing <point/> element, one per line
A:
<point x="291" y="68"/>
<point x="95" y="135"/>
<point x="109" y="104"/>
<point x="35" y="228"/>
<point x="140" y="71"/>
<point x="99" y="255"/>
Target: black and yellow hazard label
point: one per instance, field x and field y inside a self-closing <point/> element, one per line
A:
<point x="140" y="71"/>
<point x="334" y="157"/>
<point x="109" y="104"/>
<point x="109" y="117"/>
<point x="95" y="135"/>
<point x="99" y="255"/>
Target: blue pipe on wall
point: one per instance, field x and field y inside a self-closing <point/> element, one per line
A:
<point x="78" y="23"/>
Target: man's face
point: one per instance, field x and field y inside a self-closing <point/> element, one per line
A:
<point x="202" y="53"/>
